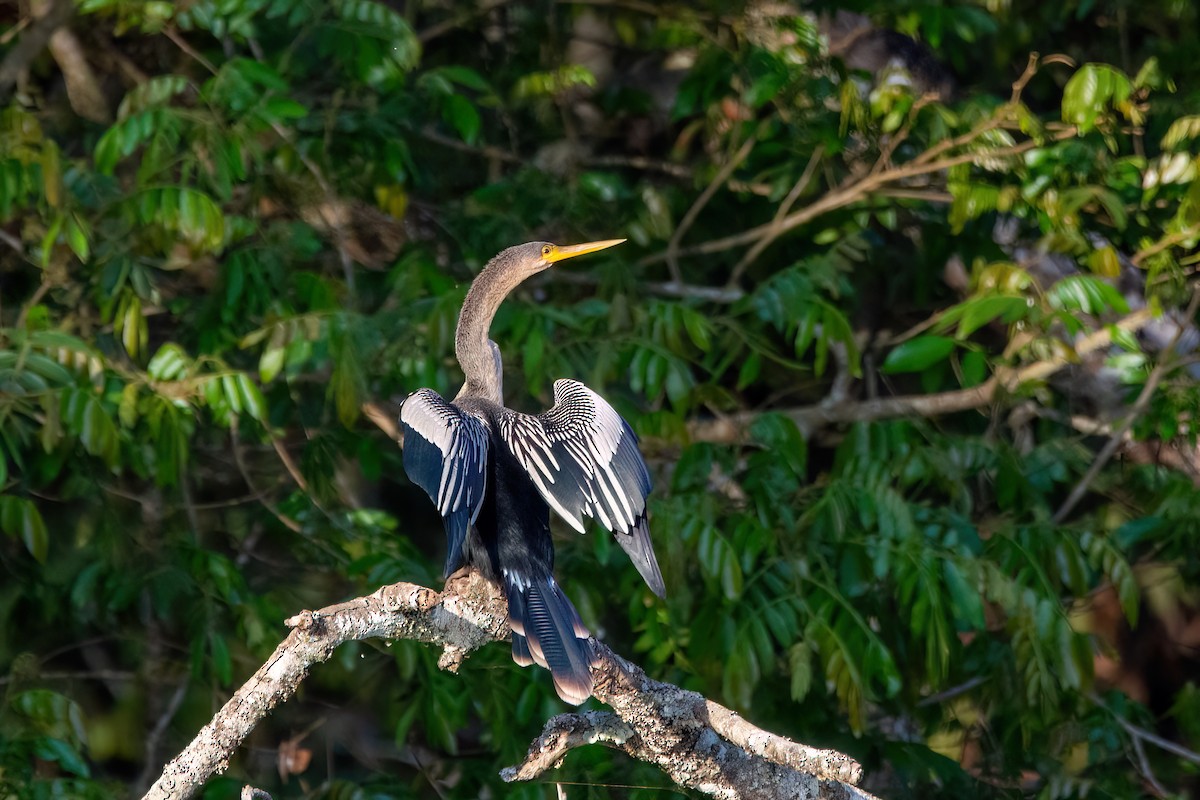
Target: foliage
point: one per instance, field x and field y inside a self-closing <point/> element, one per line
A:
<point x="279" y="225"/>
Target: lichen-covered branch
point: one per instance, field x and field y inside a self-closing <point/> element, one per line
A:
<point x="698" y="743"/>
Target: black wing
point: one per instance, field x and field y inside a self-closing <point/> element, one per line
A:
<point x="584" y="460"/>
<point x="445" y="453"/>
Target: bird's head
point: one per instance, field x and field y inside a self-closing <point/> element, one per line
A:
<point x="533" y="257"/>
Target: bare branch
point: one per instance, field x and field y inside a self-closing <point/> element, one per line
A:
<point x="83" y="88"/>
<point x="563" y="734"/>
<point x="1136" y="410"/>
<point x="716" y="183"/>
<point x="776" y="227"/>
<point x="810" y="419"/>
<point x="856" y="190"/>
<point x="33" y="41"/>
<point x="711" y="294"/>
<point x="698" y="743"/>
<point x="384" y="419"/>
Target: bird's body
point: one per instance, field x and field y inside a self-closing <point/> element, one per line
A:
<point x="495" y="474"/>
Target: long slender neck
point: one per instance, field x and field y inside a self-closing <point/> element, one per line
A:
<point x="471" y="346"/>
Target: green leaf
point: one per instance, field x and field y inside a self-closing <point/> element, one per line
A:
<point x="78" y="236"/>
<point x="918" y="353"/>
<point x="1181" y="131"/>
<point x="604" y="186"/>
<point x="781" y="433"/>
<point x="222" y="662"/>
<point x="20" y="518"/>
<point x="66" y="756"/>
<point x="966" y="601"/>
<point x="1088" y="294"/>
<point x="154" y="92"/>
<point x="98" y="433"/>
<point x="749" y="371"/>
<point x="283" y="108"/>
<point x="170" y="363"/>
<point x="134" y="333"/>
<point x="251" y="398"/>
<point x="800" y="658"/>
<point x="463" y="116"/>
<point x="54" y="373"/>
<point x="977" y="312"/>
<point x="465" y="76"/>
<point x="731" y="575"/>
<point x="1092" y="90"/>
<point x="33" y="532"/>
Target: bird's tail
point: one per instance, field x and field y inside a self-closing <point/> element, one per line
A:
<point x="547" y="631"/>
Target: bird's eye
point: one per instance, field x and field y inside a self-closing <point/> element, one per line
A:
<point x="547" y="249"/>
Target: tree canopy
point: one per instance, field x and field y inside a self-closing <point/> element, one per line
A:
<point x="905" y="322"/>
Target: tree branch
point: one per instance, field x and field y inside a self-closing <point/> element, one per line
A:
<point x="698" y="743"/>
<point x="1135" y="412"/>
<point x="832" y="411"/>
<point x="33" y="41"/>
<point x="858" y="189"/>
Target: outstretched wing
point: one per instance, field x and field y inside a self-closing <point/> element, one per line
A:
<point x="584" y="460"/>
<point x="445" y="453"/>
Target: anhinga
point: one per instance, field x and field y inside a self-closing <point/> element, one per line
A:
<point x="494" y="474"/>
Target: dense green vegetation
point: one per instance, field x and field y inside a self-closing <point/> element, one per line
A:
<point x="264" y="214"/>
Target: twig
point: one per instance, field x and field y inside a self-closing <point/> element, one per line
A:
<point x="1018" y="87"/>
<point x="1145" y="769"/>
<point x="13" y="242"/>
<point x="34" y="299"/>
<point x="384" y="419"/>
<point x="690" y="216"/>
<point x="852" y="192"/>
<point x="1166" y="243"/>
<point x="700" y="744"/>
<point x="924" y="195"/>
<point x="952" y="692"/>
<point x="289" y="464"/>
<point x="287" y="521"/>
<point x="674" y="170"/>
<point x="183" y="45"/>
<point x="487" y="150"/>
<point x="889" y="149"/>
<point x="105" y="675"/>
<point x="447" y="25"/>
<point x="1137" y="733"/>
<point x="776" y="226"/>
<point x="710" y="294"/>
<point x="154" y="737"/>
<point x="1135" y="412"/>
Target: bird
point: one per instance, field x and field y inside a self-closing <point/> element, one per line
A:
<point x="495" y="474"/>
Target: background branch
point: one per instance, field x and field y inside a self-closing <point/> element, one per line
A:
<point x="832" y="411"/>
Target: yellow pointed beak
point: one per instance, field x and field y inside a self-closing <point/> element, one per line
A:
<point x="572" y="250"/>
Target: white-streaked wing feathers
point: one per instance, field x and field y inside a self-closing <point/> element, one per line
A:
<point x="584" y="460"/>
<point x="445" y="453"/>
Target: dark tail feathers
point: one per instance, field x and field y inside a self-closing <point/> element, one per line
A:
<point x="547" y="631"/>
<point x="637" y="544"/>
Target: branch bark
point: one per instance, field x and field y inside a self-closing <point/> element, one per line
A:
<point x="698" y="743"/>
